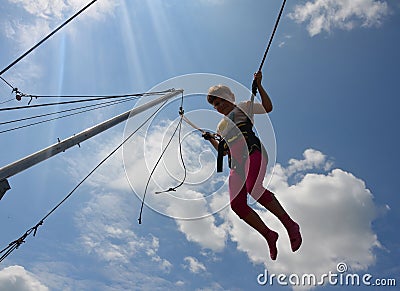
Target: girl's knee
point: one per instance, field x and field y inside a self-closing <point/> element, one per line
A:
<point x="241" y="209"/>
<point x="265" y="198"/>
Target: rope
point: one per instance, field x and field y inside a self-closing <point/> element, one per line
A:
<point x="179" y="126"/>
<point x="203" y="132"/>
<point x="254" y="85"/>
<point x="181" y="157"/>
<point x="17" y="243"/>
<point x="5" y="81"/>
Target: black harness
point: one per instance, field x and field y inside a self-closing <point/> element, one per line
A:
<point x="252" y="141"/>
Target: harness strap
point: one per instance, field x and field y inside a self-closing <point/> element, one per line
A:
<point x="252" y="141"/>
<point x="220" y="156"/>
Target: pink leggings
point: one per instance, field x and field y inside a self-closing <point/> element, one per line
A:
<point x="248" y="180"/>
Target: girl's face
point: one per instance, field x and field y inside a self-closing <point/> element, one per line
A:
<point x="222" y="106"/>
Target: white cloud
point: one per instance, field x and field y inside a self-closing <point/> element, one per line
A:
<point x="164" y="264"/>
<point x="98" y="10"/>
<point x="180" y="283"/>
<point x="49" y="14"/>
<point x="105" y="221"/>
<point x="326" y="15"/>
<point x="92" y="273"/>
<point x="26" y="35"/>
<point x="26" y="31"/>
<point x="58" y="9"/>
<point x="16" y="278"/>
<point x="42" y="8"/>
<point x="312" y="159"/>
<point x="204" y="232"/>
<point x="107" y="231"/>
<point x="194" y="265"/>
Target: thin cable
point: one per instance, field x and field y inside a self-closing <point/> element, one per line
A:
<point x="97" y="96"/>
<point x="44" y="39"/>
<point x="113" y="102"/>
<point x="3" y="102"/>
<point x="60" y="117"/>
<point x="81" y="101"/>
<point x="159" y="159"/>
<point x="15" y="244"/>
<point x="55" y="103"/>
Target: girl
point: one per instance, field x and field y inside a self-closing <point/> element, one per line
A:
<point x="247" y="162"/>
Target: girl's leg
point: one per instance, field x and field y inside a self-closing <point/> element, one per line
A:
<point x="238" y="195"/>
<point x="255" y="176"/>
<point x="291" y="226"/>
<point x="254" y="220"/>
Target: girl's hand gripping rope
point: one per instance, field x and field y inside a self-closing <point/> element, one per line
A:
<point x="207" y="135"/>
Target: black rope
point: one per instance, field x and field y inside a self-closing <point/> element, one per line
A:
<point x="17" y="243"/>
<point x="181" y="157"/>
<point x="254" y="85"/>
<point x="43" y="40"/>
<point x="5" y="81"/>
<point x="179" y="126"/>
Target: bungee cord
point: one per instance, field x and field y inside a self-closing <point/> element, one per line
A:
<point x="182" y="161"/>
<point x="179" y="126"/>
<point x="18" y="242"/>
<point x="254" y="84"/>
<point x="272" y="35"/>
<point x="203" y="132"/>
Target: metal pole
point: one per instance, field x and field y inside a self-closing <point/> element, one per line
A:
<point x="33" y="159"/>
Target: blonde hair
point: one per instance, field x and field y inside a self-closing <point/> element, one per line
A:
<point x="220" y="91"/>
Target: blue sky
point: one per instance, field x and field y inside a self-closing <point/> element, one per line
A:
<point x="332" y="74"/>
